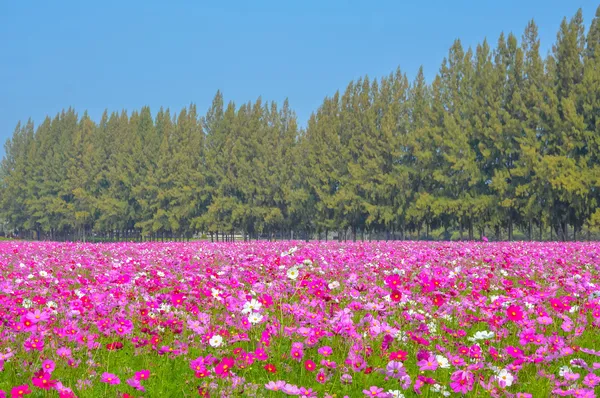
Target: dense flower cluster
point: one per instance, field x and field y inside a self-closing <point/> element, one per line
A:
<point x="304" y="319"/>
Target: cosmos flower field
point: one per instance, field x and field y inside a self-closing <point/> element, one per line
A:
<point x="276" y="319"/>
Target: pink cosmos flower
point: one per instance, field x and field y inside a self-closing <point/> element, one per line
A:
<point x="110" y="378"/>
<point x="275" y="385"/>
<point x="571" y="376"/>
<point x="461" y="381"/>
<point x="306" y="393"/>
<point x="557" y="304"/>
<point x="325" y="351"/>
<point x="430" y="363"/>
<point x="514" y="352"/>
<point x="48" y="366"/>
<point x="395" y="370"/>
<point x="223" y="368"/>
<point x="398" y="355"/>
<point x="34" y="343"/>
<point x="321" y="377"/>
<point x="375" y="391"/>
<point x="20" y="391"/>
<point x="43" y="380"/>
<point x="514" y="313"/>
<point x="309" y="365"/>
<point x="177" y="299"/>
<point x="297" y="353"/>
<point x="142" y="375"/>
<point x="135" y="383"/>
<point x="290" y="389"/>
<point x="260" y="354"/>
<point x="37" y="316"/>
<point x="591" y="380"/>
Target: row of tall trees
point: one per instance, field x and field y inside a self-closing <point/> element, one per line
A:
<point x="502" y="140"/>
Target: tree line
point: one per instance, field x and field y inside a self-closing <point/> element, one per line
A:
<point x="503" y="142"/>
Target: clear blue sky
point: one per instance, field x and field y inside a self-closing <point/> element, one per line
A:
<point x="125" y="54"/>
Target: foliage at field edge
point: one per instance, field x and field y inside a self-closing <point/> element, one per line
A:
<point x="300" y="319"/>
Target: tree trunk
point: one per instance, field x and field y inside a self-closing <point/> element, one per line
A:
<point x="471" y="228"/>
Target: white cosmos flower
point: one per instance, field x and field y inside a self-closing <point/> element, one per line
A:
<point x="252" y="305"/>
<point x="216" y="341"/>
<point x="21" y="265"/>
<point x="483" y="335"/>
<point x="292" y="273"/>
<point x="333" y="285"/>
<point x="215" y="293"/>
<point x="160" y="273"/>
<point x="255" y="318"/>
<point x="505" y="377"/>
<point x="395" y="394"/>
<point x="563" y="370"/>
<point x="400" y="335"/>
<point x="30" y="276"/>
<point x="43" y="274"/>
<point x="442" y="361"/>
<point x="573" y="309"/>
<point x="27" y="303"/>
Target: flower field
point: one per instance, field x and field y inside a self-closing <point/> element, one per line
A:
<point x="260" y="319"/>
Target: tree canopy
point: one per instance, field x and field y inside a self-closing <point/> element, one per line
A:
<point x="502" y="140"/>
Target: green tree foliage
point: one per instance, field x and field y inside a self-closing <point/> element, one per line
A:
<point x="502" y="140"/>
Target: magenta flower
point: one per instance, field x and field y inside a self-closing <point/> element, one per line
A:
<point x="223" y="368"/>
<point x="461" y="381"/>
<point x="43" y="380"/>
<point x="514" y="313"/>
<point x="142" y="375"/>
<point x="110" y="378"/>
<point x="20" y="391"/>
<point x="514" y="352"/>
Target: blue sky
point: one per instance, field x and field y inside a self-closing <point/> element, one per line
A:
<point x="125" y="54"/>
